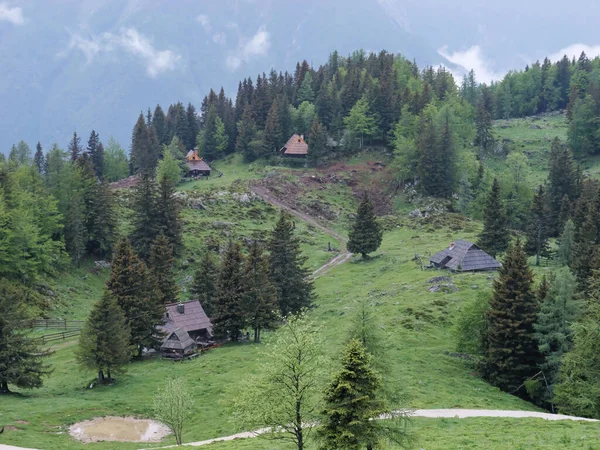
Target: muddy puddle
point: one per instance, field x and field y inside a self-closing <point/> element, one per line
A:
<point x="124" y="429"/>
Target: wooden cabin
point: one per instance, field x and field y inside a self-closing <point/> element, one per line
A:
<point x="178" y="344"/>
<point x="197" y="167"/>
<point x="182" y="321"/>
<point x="464" y="256"/>
<point x="295" y="147"/>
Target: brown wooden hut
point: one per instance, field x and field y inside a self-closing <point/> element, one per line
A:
<point x="464" y="256"/>
<point x="295" y="147"/>
<point x="178" y="344"/>
<point x="190" y="317"/>
<point x="196" y="165"/>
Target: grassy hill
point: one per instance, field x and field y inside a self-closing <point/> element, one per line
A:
<point x="417" y="323"/>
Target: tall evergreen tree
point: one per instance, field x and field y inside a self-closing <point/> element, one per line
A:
<point x="566" y="243"/>
<point x="246" y="132"/>
<point x="204" y="285"/>
<point x="561" y="183"/>
<point x="145" y="226"/>
<point x="136" y="293"/>
<point x="75" y="149"/>
<point x="161" y="264"/>
<point x="104" y="344"/>
<point x="273" y="137"/>
<point x="287" y="271"/>
<point x="317" y="142"/>
<point x="140" y="147"/>
<point x="160" y="125"/>
<point x="96" y="152"/>
<point x="192" y="127"/>
<point x="230" y="312"/>
<point x="261" y="296"/>
<point x="38" y="158"/>
<point x="168" y="214"/>
<point x="537" y="230"/>
<point x="483" y="120"/>
<point x="365" y="236"/>
<point x="511" y="350"/>
<point x="101" y="220"/>
<point x="495" y="236"/>
<point x="305" y="92"/>
<point x="21" y="358"/>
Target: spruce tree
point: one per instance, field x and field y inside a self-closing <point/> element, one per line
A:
<point x="161" y="264"/>
<point x="38" y="158"/>
<point x="246" y="132"/>
<point x="561" y="183"/>
<point x="21" y="358"/>
<point x="352" y="401"/>
<point x="230" y="312"/>
<point x="317" y="142"/>
<point x="96" y="152"/>
<point x="566" y="243"/>
<point x="204" y="285"/>
<point x="192" y="126"/>
<point x="511" y="354"/>
<point x="75" y="231"/>
<point x="207" y="138"/>
<point x="287" y="271"/>
<point x="168" y="214"/>
<point x="273" y="137"/>
<point x="75" y="147"/>
<point x="365" y="236"/>
<point x="136" y="293"/>
<point x="484" y="137"/>
<point x="101" y="219"/>
<point x="145" y="226"/>
<point x="495" y="235"/>
<point x="537" y="230"/>
<point x="261" y="296"/>
<point x="141" y="160"/>
<point x="104" y="344"/>
<point x="159" y="124"/>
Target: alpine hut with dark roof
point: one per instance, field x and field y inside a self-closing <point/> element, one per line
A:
<point x="196" y="165"/>
<point x="181" y="320"/>
<point x="178" y="343"/>
<point x="464" y="256"/>
<point x="295" y="147"/>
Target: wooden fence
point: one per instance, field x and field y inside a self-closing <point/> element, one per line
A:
<point x="57" y="324"/>
<point x="59" y="336"/>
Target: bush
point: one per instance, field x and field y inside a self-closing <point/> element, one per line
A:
<point x="470" y="325"/>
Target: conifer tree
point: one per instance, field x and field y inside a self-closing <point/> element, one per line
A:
<point x="145" y="226"/>
<point x="365" y="236"/>
<point x="360" y="121"/>
<point x="207" y="138"/>
<point x="558" y="311"/>
<point x="317" y="142"/>
<point x="104" y="343"/>
<point x="192" y="127"/>
<point x="483" y="120"/>
<point x="141" y="160"/>
<point x="287" y="271"/>
<point x="38" y="158"/>
<point x="537" y="230"/>
<point x="511" y="354"/>
<point x="159" y="124"/>
<point x="494" y="238"/>
<point x="566" y="243"/>
<point x="161" y="264"/>
<point x="561" y="183"/>
<point x="101" y="219"/>
<point x="169" y="167"/>
<point x="430" y="162"/>
<point x="261" y="296"/>
<point x="75" y="230"/>
<point x="352" y="400"/>
<point x="75" y="147"/>
<point x="305" y="92"/>
<point x="204" y="285"/>
<point x="273" y="137"/>
<point x="168" y="214"/>
<point x="136" y="293"/>
<point x="21" y="358"/>
<point x="96" y="152"/>
<point x="246" y="132"/>
<point x="230" y="312"/>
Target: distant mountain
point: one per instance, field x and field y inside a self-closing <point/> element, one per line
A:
<point x="95" y="64"/>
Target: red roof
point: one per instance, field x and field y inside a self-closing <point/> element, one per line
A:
<point x="296" y="145"/>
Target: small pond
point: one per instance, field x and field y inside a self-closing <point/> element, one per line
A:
<point x="124" y="429"/>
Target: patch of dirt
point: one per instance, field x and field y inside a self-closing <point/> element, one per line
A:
<point x="121" y="429"/>
<point x="10" y="428"/>
<point x="22" y="422"/>
<point x="125" y="183"/>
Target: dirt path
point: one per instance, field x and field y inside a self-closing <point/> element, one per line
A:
<point x="339" y="259"/>
<point x="427" y="413"/>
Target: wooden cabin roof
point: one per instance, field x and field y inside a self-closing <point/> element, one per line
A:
<point x="192" y="155"/>
<point x="193" y="317"/>
<point x="465" y="256"/>
<point x="198" y="165"/>
<point x="178" y="339"/>
<point x="296" y="145"/>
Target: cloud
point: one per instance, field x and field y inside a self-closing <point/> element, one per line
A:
<point x="203" y="20"/>
<point x="249" y="48"/>
<point x="12" y="15"/>
<point x="575" y="50"/>
<point x="471" y="59"/>
<point x="133" y="43"/>
<point x="219" y="38"/>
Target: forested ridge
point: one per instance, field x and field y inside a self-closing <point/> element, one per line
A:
<point x="57" y="208"/>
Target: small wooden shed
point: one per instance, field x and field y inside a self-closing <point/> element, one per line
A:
<point x="196" y="165"/>
<point x="295" y="147"/>
<point x="464" y="256"/>
<point x="178" y="344"/>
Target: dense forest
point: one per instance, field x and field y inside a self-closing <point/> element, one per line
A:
<point x="57" y="207"/>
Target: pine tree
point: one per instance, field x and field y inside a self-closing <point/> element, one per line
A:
<point x="145" y="226"/>
<point x="21" y="358"/>
<point x="511" y="354"/>
<point x="537" y="230"/>
<point x="287" y="271"/>
<point x="483" y="120"/>
<point x="246" y="132"/>
<point x="168" y="214"/>
<point x="192" y="127"/>
<point x="261" y="296"/>
<point x="38" y="159"/>
<point x="96" y="152"/>
<point x="273" y="137"/>
<point x="365" y="236"/>
<point x="75" y="230"/>
<point x="352" y="401"/>
<point x="104" y="341"/>
<point x="140" y="147"/>
<point x="75" y="149"/>
<point x="204" y="286"/>
<point x="161" y="264"/>
<point x="207" y="138"/>
<point x="566" y="243"/>
<point x="561" y="183"/>
<point x="136" y="293"/>
<point x="558" y="311"/>
<point x="430" y="168"/>
<point x="305" y="92"/>
<point x="101" y="219"/>
<point x="159" y="124"/>
<point x="230" y="312"/>
<point x="317" y="142"/>
<point x="495" y="236"/>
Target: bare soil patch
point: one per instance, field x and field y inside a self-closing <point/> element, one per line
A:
<point x="121" y="429"/>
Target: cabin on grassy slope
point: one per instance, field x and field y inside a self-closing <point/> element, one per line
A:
<point x="464" y="256"/>
<point x="295" y="147"/>
<point x="196" y="165"/>
<point x="178" y="343"/>
<point x="182" y="321"/>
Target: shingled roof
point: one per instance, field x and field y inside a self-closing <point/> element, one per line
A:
<point x="296" y="145"/>
<point x="178" y="339"/>
<point x="188" y="315"/>
<point x="195" y="161"/>
<point x="464" y="256"/>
